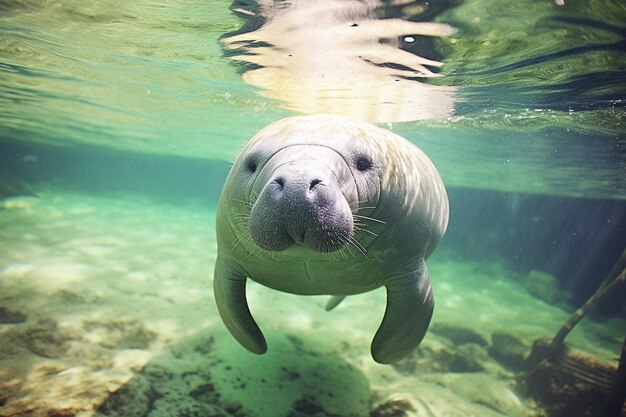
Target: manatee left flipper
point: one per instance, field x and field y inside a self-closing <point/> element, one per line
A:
<point x="230" y="296"/>
<point x="407" y="316"/>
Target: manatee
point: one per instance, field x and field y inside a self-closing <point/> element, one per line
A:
<point x="325" y="204"/>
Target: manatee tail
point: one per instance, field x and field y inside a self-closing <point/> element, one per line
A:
<point x="334" y="301"/>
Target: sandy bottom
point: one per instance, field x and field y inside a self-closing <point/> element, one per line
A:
<point x="106" y="307"/>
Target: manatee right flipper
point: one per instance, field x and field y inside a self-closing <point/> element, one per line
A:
<point x="229" y="288"/>
<point x="407" y="316"/>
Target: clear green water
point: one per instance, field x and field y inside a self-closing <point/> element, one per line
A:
<point x="118" y="121"/>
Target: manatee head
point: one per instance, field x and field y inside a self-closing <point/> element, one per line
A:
<point x="304" y="187"/>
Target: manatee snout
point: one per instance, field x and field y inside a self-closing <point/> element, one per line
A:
<point x="301" y="205"/>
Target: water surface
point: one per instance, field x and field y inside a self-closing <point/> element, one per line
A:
<point x="534" y="90"/>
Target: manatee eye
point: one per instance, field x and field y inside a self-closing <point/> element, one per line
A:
<point x="363" y="163"/>
<point x="252" y="165"/>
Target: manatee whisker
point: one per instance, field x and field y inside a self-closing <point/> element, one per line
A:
<point x="246" y="203"/>
<point x="258" y="250"/>
<point x="235" y="214"/>
<point x="266" y="253"/>
<point x="357" y="244"/>
<point x="241" y="219"/>
<point x="347" y="249"/>
<point x="356" y="203"/>
<point x="361" y="229"/>
<point x="240" y="222"/>
<point x="336" y="256"/>
<point x="346" y="254"/>
<point x="352" y="241"/>
<point x="253" y="196"/>
<point x="333" y="256"/>
<point x="239" y="239"/>
<point x="369" y="218"/>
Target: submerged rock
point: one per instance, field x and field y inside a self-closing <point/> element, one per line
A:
<point x="459" y="335"/>
<point x="8" y="316"/>
<point x="131" y="400"/>
<point x="509" y="350"/>
<point x="43" y="338"/>
<point x="449" y="395"/>
<point x="469" y="358"/>
<point x="394" y="407"/>
<point x="12" y="185"/>
<point x="120" y="334"/>
<point x="545" y="287"/>
<point x="482" y="389"/>
<point x="441" y="357"/>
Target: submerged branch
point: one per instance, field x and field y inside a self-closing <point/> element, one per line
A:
<point x="613" y="280"/>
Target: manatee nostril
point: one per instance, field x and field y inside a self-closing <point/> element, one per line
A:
<point x="313" y="183"/>
<point x="281" y="182"/>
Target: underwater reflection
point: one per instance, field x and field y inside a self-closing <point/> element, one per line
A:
<point x="336" y="56"/>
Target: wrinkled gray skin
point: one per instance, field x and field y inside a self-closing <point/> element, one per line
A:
<point x="329" y="205"/>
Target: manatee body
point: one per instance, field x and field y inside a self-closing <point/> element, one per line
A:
<point x="330" y="205"/>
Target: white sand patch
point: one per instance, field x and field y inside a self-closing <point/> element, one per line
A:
<point x="16" y="270"/>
